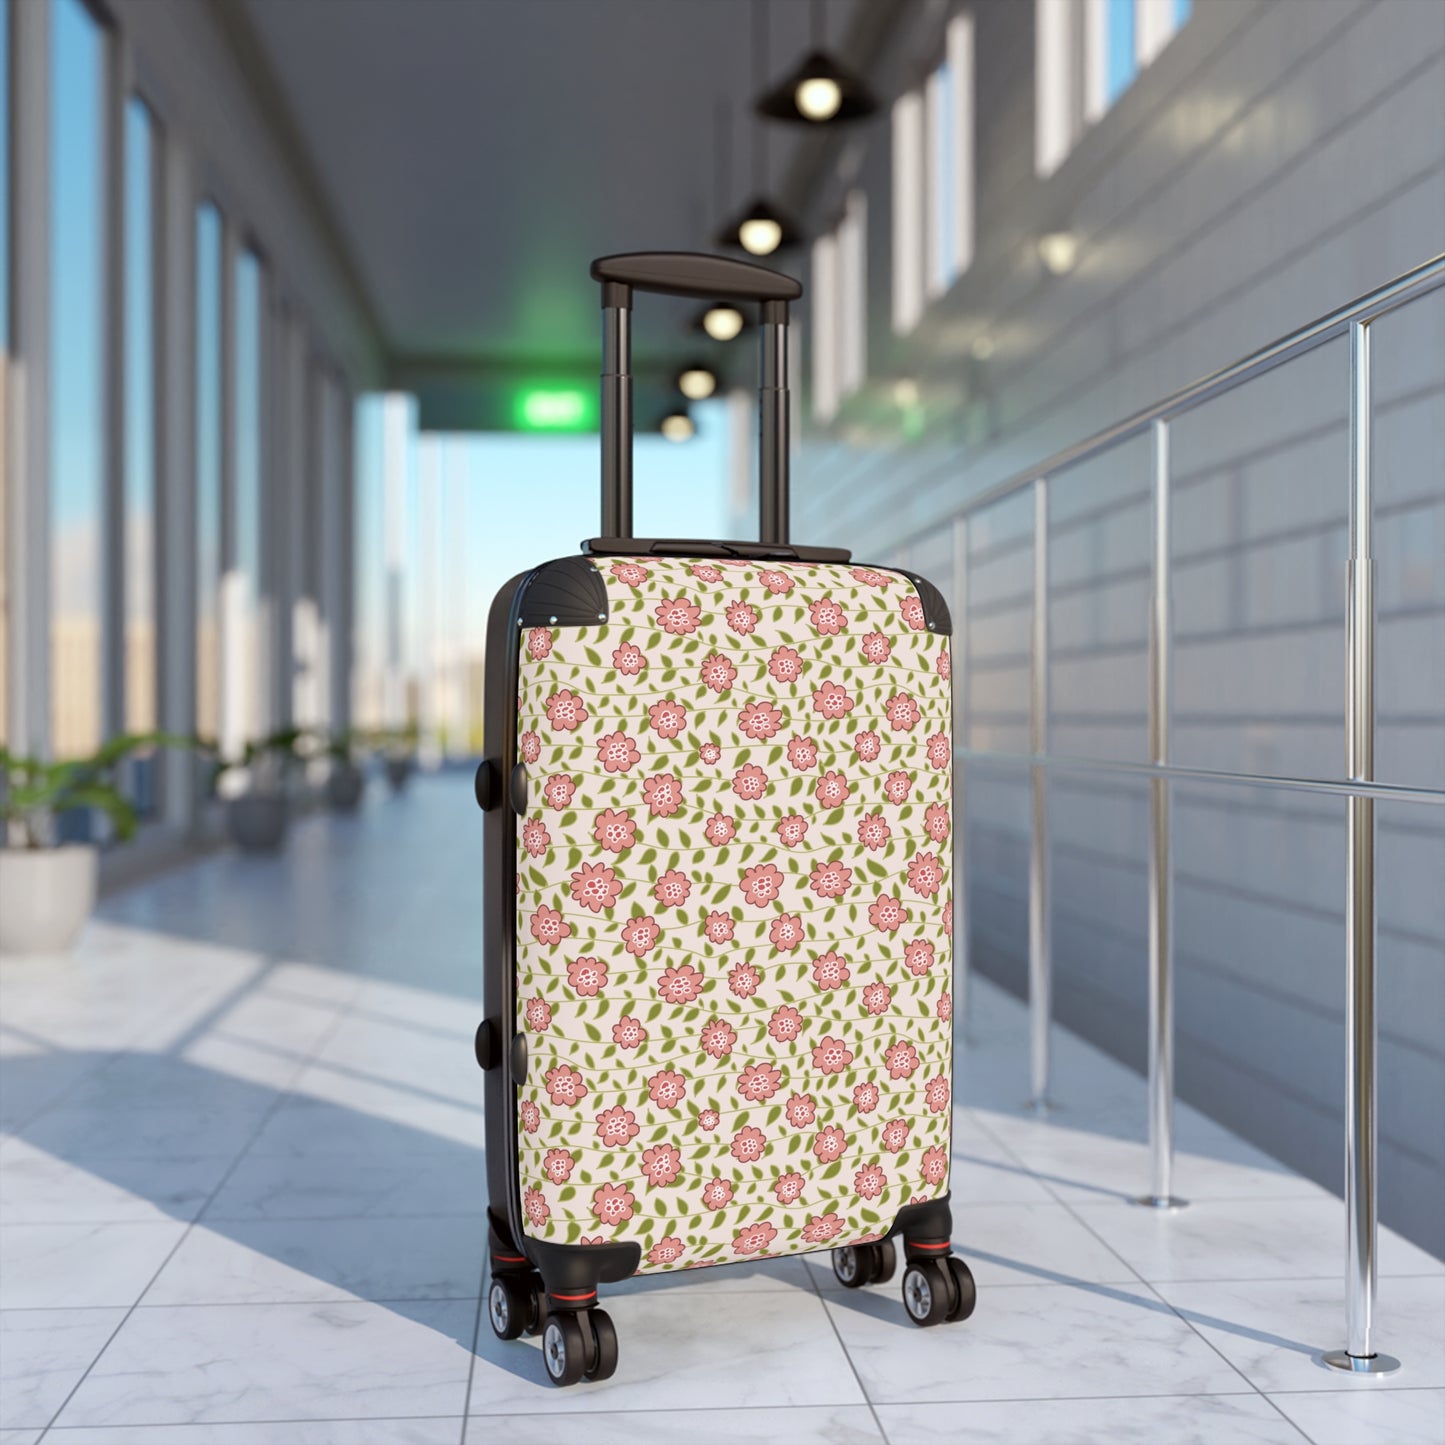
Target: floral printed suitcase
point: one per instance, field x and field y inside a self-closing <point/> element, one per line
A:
<point x="718" y="898"/>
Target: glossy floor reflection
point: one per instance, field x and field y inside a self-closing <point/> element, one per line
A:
<point x="241" y="1203"/>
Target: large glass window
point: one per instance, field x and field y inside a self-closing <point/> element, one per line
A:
<point x="208" y="469"/>
<point x="4" y="355"/>
<point x="243" y="584"/>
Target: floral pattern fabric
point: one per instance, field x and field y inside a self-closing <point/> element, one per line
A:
<point x="734" y="912"/>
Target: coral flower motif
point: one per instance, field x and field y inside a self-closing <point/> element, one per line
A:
<point x="680" y="985"/>
<point x="668" y="718"/>
<point x="832" y="790"/>
<point x="935" y="1094"/>
<point x="718" y="673"/>
<point x="802" y="754"/>
<point x="918" y="957"/>
<point x="788" y="1187"/>
<point x="754" y="1239"/>
<point x="612" y="1204"/>
<point x="741" y="618"/>
<point x="716" y="1193"/>
<point x="617" y="752"/>
<point x="706" y="572"/>
<point x="791" y="830"/>
<point x="948" y="917"/>
<point x="876" y="647"/>
<point x="565" y="1085"/>
<point x="663" y="793"/>
<point x="678" y="616"/>
<point x="877" y="997"/>
<point x="935" y="1165"/>
<point x="708" y="1119"/>
<point x="539" y="643"/>
<point x="719" y="829"/>
<point x="761" y="885"/>
<point x="587" y="976"/>
<point x="887" y="914"/>
<point x="939" y="754"/>
<point x="531" y="746"/>
<point x="538" y="1013"/>
<point x="549" y="928"/>
<point x="935" y="819"/>
<point x="666" y="1251"/>
<point x="629" y="659"/>
<point x="634" y="574"/>
<point x="830" y="1143"/>
<point x="718" y="927"/>
<point x="828" y="617"/>
<point x="832" y="701"/>
<point x="902" y="712"/>
<point x="661" y="1165"/>
<point x="866" y="1097"/>
<point x="565" y="710"/>
<point x="901" y="1058"/>
<point x="869" y="578"/>
<point x="666" y="1089"/>
<point x="944" y="665"/>
<point x="820" y="1228"/>
<point x="531" y="1116"/>
<point x="873" y="830"/>
<point x="778" y="583"/>
<point x="535" y="1203"/>
<point x="617" y="1126"/>
<point x="758" y="721"/>
<point x="867" y="745"/>
<point x="672" y="889"/>
<point x="750" y="782"/>
<point x="557" y="1165"/>
<point x="925" y="875"/>
<point x="800" y="1110"/>
<point x="558" y="790"/>
<point x="912" y="610"/>
<point x="785" y="933"/>
<point x="785" y="665"/>
<point x="831" y="880"/>
<point x="895" y="1135"/>
<point x="749" y="1145"/>
<point x="616" y="832"/>
<point x="718" y="1038"/>
<point x="743" y="980"/>
<point x="832" y="1056"/>
<point x="897" y="786"/>
<point x="944" y="1007"/>
<point x="595" y="886"/>
<point x="628" y="1033"/>
<point x="786" y="1024"/>
<point x="709" y="753"/>
<point x="758" y="1082"/>
<point x="868" y="1182"/>
<point x="640" y="935"/>
<point x="535" y="837"/>
<point x="830" y="970"/>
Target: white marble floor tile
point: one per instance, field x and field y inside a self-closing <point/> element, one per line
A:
<point x="1029" y="1342"/>
<point x="204" y="1364"/>
<point x="179" y="1130"/>
<point x="43" y="1354"/>
<point x="406" y="1056"/>
<point x="20" y="1437"/>
<point x="797" y="1425"/>
<point x="681" y="1351"/>
<point x="437" y="1430"/>
<point x="69" y="1266"/>
<point x="1147" y="1420"/>
<point x="1274" y="1331"/>
<point x="294" y="1260"/>
<point x="34" y="1078"/>
<point x="1371" y="1417"/>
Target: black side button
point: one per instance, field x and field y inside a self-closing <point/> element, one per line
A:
<point x="485" y="785"/>
<point x="486" y="1045"/>
<point x="519" y="1059"/>
<point x="517" y="789"/>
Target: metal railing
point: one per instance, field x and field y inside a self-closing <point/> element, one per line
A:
<point x="1359" y="787"/>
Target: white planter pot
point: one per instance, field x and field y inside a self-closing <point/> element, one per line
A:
<point x="344" y="786"/>
<point x="46" y="894"/>
<point x="258" y="821"/>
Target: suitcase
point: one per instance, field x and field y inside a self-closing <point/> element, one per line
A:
<point x="718" y="898"/>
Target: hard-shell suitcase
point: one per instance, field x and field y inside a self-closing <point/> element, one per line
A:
<point x="718" y="910"/>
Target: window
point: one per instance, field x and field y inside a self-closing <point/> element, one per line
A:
<point x="208" y="468"/>
<point x="840" y="309"/>
<point x="5" y="582"/>
<point x="241" y="587"/>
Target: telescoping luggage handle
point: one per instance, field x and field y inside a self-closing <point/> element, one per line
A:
<point x="711" y="278"/>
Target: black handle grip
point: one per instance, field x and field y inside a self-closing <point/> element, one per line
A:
<point x="693" y="273"/>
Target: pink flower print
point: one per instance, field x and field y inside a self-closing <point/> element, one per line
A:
<point x="718" y="673"/>
<point x="918" y="957"/>
<point x="629" y="659"/>
<point x="539" y="643"/>
<point x="538" y="1013"/>
<point x="902" y="712"/>
<point x="558" y="790"/>
<point x="668" y="718"/>
<point x="679" y="985"/>
<point x="828" y="617"/>
<point x="640" y="936"/>
<point x="802" y="754"/>
<point x="877" y="997"/>
<point x="531" y="746"/>
<point x="761" y="885"/>
<point x="935" y="1165"/>
<point x="939" y="753"/>
<point x="791" y="830"/>
<point x="800" y="1110"/>
<point x="866" y="1097"/>
<point x="719" y="829"/>
<point x="758" y="1082"/>
<point x="948" y="917"/>
<point x="661" y="1165"/>
<point x="706" y="572"/>
<point x="778" y="583"/>
<point x="628" y="1033"/>
<point x="787" y="1187"/>
<point x="869" y="578"/>
<point x="831" y="1056"/>
<point x="716" y="1193"/>
<point x="718" y="927"/>
<point x="786" y="1024"/>
<point x="617" y="752"/>
<point x="873" y="830"/>
<point x="671" y="889"/>
<point x="616" y="832"/>
<point x="749" y="1145"/>
<point x="829" y="1144"/>
<point x="565" y="1085"/>
<point x="867" y="745"/>
<point x="538" y="1210"/>
<point x="595" y="886"/>
<point x="666" y="1251"/>
<point x="832" y="789"/>
<point x="549" y="928"/>
<point x="557" y="1165"/>
<point x="634" y="574"/>
<point x="868" y="1182"/>
<point x="743" y="980"/>
<point x="895" y="1135"/>
<point x="617" y="1126"/>
<point x="912" y="610"/>
<point x="565" y="710"/>
<point x="832" y="701"/>
<point x="754" y="1239"/>
<point x="750" y="782"/>
<point x="741" y="618"/>
<point x="593" y="1239"/>
<point x="708" y="1119"/>
<point x="535" y="837"/>
<point x="785" y="933"/>
<point x="901" y="1058"/>
<point x="678" y="617"/>
<point x="785" y="665"/>
<point x="718" y="1038"/>
<point x="935" y="819"/>
<point x="830" y="970"/>
<point x="531" y="1116"/>
<point x="587" y="976"/>
<point x="944" y="1007"/>
<point x="944" y="665"/>
<point x="663" y="793"/>
<point x="758" y="721"/>
<point x="887" y="914"/>
<point x="666" y="1089"/>
<point x="831" y="880"/>
<point x="925" y="875"/>
<point x="820" y="1228"/>
<point x="935" y="1094"/>
<point x="897" y="786"/>
<point x="612" y="1204"/>
<point x="876" y="647"/>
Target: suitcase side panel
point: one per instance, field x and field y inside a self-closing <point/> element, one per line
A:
<point x="732" y="950"/>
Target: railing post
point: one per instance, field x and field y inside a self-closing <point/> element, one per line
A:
<point x="1359" y="1355"/>
<point x="958" y="652"/>
<point x="1041" y="979"/>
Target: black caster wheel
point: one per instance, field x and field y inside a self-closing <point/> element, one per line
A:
<point x="563" y="1351"/>
<point x="537" y="1315"/>
<point x="858" y="1264"/>
<point x="927" y="1292"/>
<point x="602" y="1359"/>
<point x="509" y="1306"/>
<point x="965" y="1291"/>
<point x="885" y="1261"/>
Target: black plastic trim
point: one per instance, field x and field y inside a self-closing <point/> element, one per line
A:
<point x="931" y="1219"/>
<point x="518" y="1059"/>
<point x="569" y="592"/>
<point x="692" y="273"/>
<point x="935" y="606"/>
<point x="517" y="789"/>
<point x="696" y="547"/>
<point x="484" y="785"/>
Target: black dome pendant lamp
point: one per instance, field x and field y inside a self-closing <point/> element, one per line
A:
<point x="820" y="90"/>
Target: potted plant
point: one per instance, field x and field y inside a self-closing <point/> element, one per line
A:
<point x="255" y="786"/>
<point x="345" y="782"/>
<point x="47" y="888"/>
<point x="399" y="747"/>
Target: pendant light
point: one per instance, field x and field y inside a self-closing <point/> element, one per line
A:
<point x="697" y="381"/>
<point x="820" y="90"/>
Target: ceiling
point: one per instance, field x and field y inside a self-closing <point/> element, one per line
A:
<point x="475" y="155"/>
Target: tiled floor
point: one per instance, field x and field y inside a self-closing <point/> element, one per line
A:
<point x="241" y="1199"/>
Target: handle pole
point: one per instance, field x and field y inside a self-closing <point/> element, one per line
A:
<point x="773" y="424"/>
<point x="616" y="422"/>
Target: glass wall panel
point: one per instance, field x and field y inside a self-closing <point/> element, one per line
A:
<point x="208" y="468"/>
<point x="4" y="354"/>
<point x="243" y="585"/>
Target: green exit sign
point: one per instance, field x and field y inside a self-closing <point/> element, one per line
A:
<point x="554" y="408"/>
